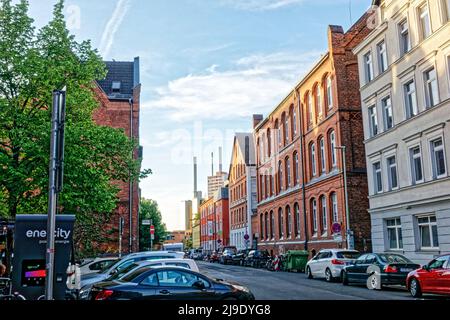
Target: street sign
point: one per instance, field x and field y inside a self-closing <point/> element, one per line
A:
<point x="246" y="237"/>
<point x="152" y="236"/>
<point x="152" y="229"/>
<point x="336" y="227"/>
<point x="337" y="237"/>
<point x="146" y="222"/>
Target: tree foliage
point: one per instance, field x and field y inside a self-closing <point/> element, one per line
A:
<point x="150" y="210"/>
<point x="33" y="63"/>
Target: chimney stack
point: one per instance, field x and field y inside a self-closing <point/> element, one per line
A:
<point x="212" y="164"/>
<point x="195" y="177"/>
<point x="220" y="159"/>
<point x="257" y="118"/>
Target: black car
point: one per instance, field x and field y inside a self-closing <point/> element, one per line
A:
<point x="256" y="258"/>
<point x="239" y="257"/>
<point x="227" y="255"/>
<point x="168" y="283"/>
<point x="376" y="270"/>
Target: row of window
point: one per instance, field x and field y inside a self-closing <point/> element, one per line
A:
<point x="410" y="101"/>
<point x="438" y="166"/>
<point x="322" y="212"/>
<point x="427" y="233"/>
<point x="319" y="100"/>
<point x="238" y="216"/>
<point x="238" y="192"/>
<point x="326" y="155"/>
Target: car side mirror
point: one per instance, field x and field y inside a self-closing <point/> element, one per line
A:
<point x="426" y="267"/>
<point x="113" y="272"/>
<point x="198" y="285"/>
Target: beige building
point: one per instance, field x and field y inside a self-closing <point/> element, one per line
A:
<point x="216" y="182"/>
<point x="404" y="69"/>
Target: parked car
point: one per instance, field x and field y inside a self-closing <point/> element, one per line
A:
<point x="239" y="257"/>
<point x="88" y="280"/>
<point x="96" y="265"/>
<point x="328" y="263"/>
<point x="227" y="255"/>
<point x="378" y="269"/>
<point x="256" y="258"/>
<point x="196" y="254"/>
<point x="168" y="283"/>
<point x="431" y="278"/>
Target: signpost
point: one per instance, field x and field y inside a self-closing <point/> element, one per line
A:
<point x="152" y="236"/>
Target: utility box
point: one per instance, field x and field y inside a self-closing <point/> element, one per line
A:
<point x="29" y="260"/>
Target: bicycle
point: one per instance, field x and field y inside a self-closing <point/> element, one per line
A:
<point x="6" y="293"/>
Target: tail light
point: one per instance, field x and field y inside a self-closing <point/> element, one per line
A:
<point x="336" y="261"/>
<point x="104" y="294"/>
<point x="390" y="269"/>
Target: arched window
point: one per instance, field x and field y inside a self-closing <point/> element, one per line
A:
<point x="310" y="108"/>
<point x="280" y="176"/>
<point x="286" y="129"/>
<point x="272" y="224"/>
<point x="333" y="149"/>
<point x="334" y="207"/>
<point x="261" y="226"/>
<point x="297" y="219"/>
<point x="288" y="221"/>
<point x="322" y="155"/>
<point x="266" y="183"/>
<point x="296" y="177"/>
<point x="288" y="173"/>
<point x="329" y="92"/>
<point x="269" y="143"/>
<point x="312" y="151"/>
<point x="319" y="100"/>
<point x="263" y="142"/>
<point x="278" y="130"/>
<point x="314" y="215"/>
<point x="266" y="224"/>
<point x="260" y="155"/>
<point x="271" y="182"/>
<point x="323" y="209"/>
<point x="293" y="117"/>
<point x="280" y="223"/>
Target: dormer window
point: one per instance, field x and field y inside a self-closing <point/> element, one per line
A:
<point x="116" y="86"/>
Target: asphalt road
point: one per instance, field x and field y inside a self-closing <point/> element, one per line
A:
<point x="267" y="285"/>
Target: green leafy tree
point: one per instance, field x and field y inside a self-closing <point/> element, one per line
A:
<point x="32" y="65"/>
<point x="150" y="211"/>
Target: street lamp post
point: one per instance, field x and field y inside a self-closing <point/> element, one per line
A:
<point x="348" y="232"/>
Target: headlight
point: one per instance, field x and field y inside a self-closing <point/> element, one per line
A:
<point x="241" y="288"/>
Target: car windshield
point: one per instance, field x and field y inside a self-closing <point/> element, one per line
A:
<point x="106" y="267"/>
<point x="348" y="255"/>
<point x="394" y="258"/>
<point x="134" y="274"/>
<point x="123" y="271"/>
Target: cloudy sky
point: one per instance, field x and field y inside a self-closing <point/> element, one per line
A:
<point x="206" y="67"/>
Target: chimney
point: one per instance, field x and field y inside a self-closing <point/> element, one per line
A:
<point x="257" y="118"/>
<point x="195" y="177"/>
<point x="220" y="159"/>
<point x="212" y="163"/>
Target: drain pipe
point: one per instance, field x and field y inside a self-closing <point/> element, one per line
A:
<point x="130" y="203"/>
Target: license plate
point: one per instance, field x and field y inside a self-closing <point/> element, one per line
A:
<point x="405" y="270"/>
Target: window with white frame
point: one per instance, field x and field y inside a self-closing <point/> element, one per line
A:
<point x="272" y="224"/>
<point x="286" y="129"/>
<point x="382" y="56"/>
<point x="313" y="159"/>
<point x="377" y="177"/>
<point x="431" y="87"/>
<point x="319" y="100"/>
<point x="280" y="175"/>
<point x="323" y="164"/>
<point x="281" y="222"/>
<point x="386" y="104"/>
<point x="314" y="214"/>
<point x="373" y="121"/>
<point x="405" y="41"/>
<point x="416" y="164"/>
<point x="288" y="173"/>
<point x="279" y="135"/>
<point x="438" y="158"/>
<point x="297" y="218"/>
<point x="410" y="99"/>
<point x="333" y="148"/>
<point x="323" y="205"/>
<point x="334" y="207"/>
<point x="329" y="93"/>
<point x="394" y="234"/>
<point x="428" y="232"/>
<point x="294" y="122"/>
<point x="296" y="168"/>
<point x="425" y="23"/>
<point x="392" y="172"/>
<point x="368" y="64"/>
<point x="310" y="108"/>
<point x="289" y="221"/>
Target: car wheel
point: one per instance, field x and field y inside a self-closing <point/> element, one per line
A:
<point x="344" y="278"/>
<point x="373" y="282"/>
<point x="308" y="273"/>
<point x="414" y="288"/>
<point x="328" y="275"/>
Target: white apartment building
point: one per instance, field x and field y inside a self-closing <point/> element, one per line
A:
<point x="404" y="69"/>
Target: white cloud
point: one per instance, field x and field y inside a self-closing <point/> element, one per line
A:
<point x="259" y="5"/>
<point x="113" y="26"/>
<point x="255" y="84"/>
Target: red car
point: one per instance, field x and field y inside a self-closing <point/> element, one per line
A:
<point x="432" y="278"/>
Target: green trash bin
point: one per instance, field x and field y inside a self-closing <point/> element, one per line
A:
<point x="296" y="260"/>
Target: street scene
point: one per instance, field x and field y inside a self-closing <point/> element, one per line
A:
<point x="224" y="150"/>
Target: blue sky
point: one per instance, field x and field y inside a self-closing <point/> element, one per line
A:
<point x="206" y="67"/>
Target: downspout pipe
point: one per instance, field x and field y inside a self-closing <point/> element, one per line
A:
<point x="130" y="204"/>
<point x="302" y="148"/>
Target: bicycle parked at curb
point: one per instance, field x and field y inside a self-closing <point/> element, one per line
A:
<point x="6" y="293"/>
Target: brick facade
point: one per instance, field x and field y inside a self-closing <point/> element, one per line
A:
<point x="296" y="146"/>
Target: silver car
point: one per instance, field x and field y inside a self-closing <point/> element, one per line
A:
<point x="328" y="263"/>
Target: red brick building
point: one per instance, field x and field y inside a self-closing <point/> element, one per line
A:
<point x="214" y="221"/>
<point x="119" y="97"/>
<point x="300" y="170"/>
